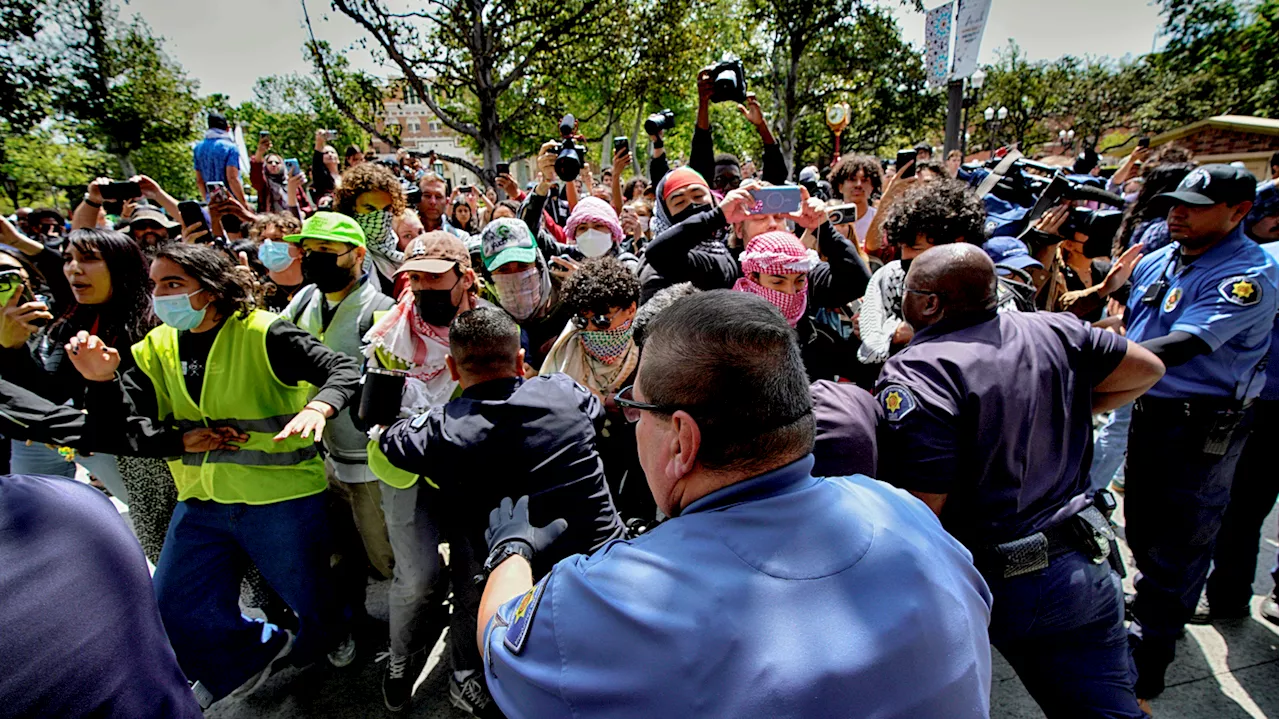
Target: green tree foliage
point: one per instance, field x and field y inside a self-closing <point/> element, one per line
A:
<point x="121" y="88"/>
<point x="42" y="163"/>
<point x="25" y="65"/>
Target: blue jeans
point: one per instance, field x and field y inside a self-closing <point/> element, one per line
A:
<point x="37" y="458"/>
<point x="206" y="552"/>
<point x="1062" y="630"/>
<point x="1109" y="448"/>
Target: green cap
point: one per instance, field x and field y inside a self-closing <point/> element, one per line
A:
<point x="507" y="239"/>
<point x="330" y="226"/>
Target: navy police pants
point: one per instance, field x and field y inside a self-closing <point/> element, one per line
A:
<point x="1175" y="497"/>
<point x="1253" y="493"/>
<point x="1062" y="630"/>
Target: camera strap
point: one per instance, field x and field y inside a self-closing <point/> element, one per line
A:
<point x="991" y="180"/>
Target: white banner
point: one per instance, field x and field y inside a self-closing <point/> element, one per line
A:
<point x="937" y="44"/>
<point x="971" y="20"/>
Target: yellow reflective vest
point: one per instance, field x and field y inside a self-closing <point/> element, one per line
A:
<point x="240" y="390"/>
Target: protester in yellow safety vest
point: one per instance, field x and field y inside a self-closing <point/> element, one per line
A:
<point x="221" y="389"/>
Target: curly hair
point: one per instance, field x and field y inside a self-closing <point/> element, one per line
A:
<point x="599" y="285"/>
<point x="127" y="316"/>
<point x="944" y="211"/>
<point x="232" y="291"/>
<point x="367" y="177"/>
<point x="286" y="223"/>
<point x="849" y="165"/>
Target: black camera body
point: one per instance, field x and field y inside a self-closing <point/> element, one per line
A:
<point x="1099" y="225"/>
<point x="657" y="122"/>
<point x="569" y="155"/>
<point x="730" y="82"/>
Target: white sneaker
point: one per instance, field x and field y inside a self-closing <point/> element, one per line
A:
<point x="345" y="653"/>
<point x="252" y="683"/>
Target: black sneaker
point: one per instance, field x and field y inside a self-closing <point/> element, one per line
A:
<point x="397" y="684"/>
<point x="468" y="693"/>
<point x="252" y="683"/>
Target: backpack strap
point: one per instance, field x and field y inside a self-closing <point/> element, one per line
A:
<point x="303" y="302"/>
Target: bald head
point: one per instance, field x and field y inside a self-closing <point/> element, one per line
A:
<point x="949" y="281"/>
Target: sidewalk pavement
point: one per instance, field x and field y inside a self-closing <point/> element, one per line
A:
<point x="1224" y="671"/>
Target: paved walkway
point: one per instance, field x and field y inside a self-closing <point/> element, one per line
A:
<point x="1227" y="671"/>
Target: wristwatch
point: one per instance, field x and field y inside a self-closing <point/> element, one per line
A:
<point x="91" y="203"/>
<point x="500" y="554"/>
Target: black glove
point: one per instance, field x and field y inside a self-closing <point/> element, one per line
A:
<point x="511" y="523"/>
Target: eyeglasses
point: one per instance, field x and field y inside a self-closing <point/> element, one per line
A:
<point x="631" y="408"/>
<point x="598" y="322"/>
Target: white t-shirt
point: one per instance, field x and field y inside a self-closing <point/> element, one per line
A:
<point x="863" y="224"/>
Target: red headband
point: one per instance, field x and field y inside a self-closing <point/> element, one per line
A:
<point x="682" y="177"/>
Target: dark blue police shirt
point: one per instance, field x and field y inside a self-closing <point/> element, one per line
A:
<point x="780" y="596"/>
<point x="80" y="632"/>
<point x="995" y="413"/>
<point x="509" y="438"/>
<point x="1227" y="297"/>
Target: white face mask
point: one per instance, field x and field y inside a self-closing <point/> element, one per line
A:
<point x="644" y="223"/>
<point x="595" y="243"/>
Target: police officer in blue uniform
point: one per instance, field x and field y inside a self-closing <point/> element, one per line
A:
<point x="1253" y="489"/>
<point x="1205" y="305"/>
<point x="986" y="416"/>
<point x="769" y="592"/>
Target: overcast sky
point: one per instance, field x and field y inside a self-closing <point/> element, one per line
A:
<point x="229" y="45"/>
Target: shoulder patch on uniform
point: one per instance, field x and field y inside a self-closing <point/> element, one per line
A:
<point x="522" y="619"/>
<point x="1241" y="290"/>
<point x="898" y="402"/>
<point x="1171" y="302"/>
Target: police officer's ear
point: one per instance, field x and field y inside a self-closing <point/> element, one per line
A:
<point x="686" y="440"/>
<point x="454" y="374"/>
<point x="1240" y="211"/>
<point x="520" y="364"/>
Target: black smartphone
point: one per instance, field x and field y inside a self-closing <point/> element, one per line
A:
<point x="905" y="156"/>
<point x="620" y="143"/>
<point x="28" y="296"/>
<point x="191" y="214"/>
<point x="120" y="190"/>
<point x="504" y="168"/>
<point x="1144" y="141"/>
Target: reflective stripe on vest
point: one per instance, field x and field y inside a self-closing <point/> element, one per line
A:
<point x="238" y="383"/>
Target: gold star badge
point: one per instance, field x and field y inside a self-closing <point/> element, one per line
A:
<point x="1242" y="289"/>
<point x="893" y="401"/>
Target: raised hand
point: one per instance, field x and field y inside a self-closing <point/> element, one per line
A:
<point x="93" y="358"/>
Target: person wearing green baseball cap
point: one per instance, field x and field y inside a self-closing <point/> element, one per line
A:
<point x="520" y="279"/>
<point x="337" y="307"/>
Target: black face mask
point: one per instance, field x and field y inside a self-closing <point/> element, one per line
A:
<point x="906" y="265"/>
<point x="435" y="307"/>
<point x="688" y="212"/>
<point x="322" y="268"/>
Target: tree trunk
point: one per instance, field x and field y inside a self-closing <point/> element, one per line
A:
<point x="635" y="136"/>
<point x="790" y="111"/>
<point x="127" y="169"/>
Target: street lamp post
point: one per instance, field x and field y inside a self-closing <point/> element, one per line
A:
<point x="975" y="84"/>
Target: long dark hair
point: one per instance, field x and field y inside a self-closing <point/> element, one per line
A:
<point x="232" y="291"/>
<point x="1155" y="180"/>
<point x="127" y="316"/>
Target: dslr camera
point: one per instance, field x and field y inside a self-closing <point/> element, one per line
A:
<point x="659" y="121"/>
<point x="1099" y="225"/>
<point x="729" y="80"/>
<point x="569" y="154"/>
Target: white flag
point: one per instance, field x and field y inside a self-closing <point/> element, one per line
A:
<point x="971" y="20"/>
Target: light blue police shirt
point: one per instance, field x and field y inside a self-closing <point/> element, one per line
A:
<point x="780" y="596"/>
<point x="1226" y="297"/>
<point x="1271" y="390"/>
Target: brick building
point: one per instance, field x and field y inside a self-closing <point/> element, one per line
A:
<point x="422" y="131"/>
<point x="1229" y="138"/>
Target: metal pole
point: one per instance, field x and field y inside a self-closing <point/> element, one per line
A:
<point x="964" y="130"/>
<point x="955" y="99"/>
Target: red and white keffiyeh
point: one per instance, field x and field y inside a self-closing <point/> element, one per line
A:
<point x="777" y="253"/>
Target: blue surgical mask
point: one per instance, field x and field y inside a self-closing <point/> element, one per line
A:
<point x="177" y="312"/>
<point x="275" y="255"/>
